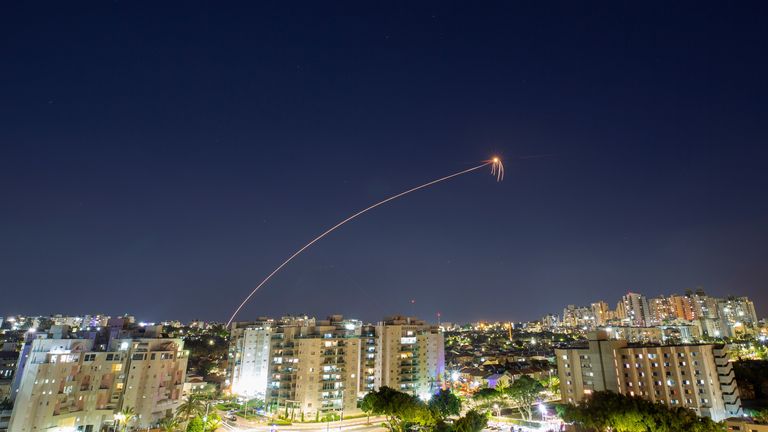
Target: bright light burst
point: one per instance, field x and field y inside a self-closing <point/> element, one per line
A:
<point x="497" y="169"/>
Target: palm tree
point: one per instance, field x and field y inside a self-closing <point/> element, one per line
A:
<point x="169" y="424"/>
<point x="190" y="408"/>
<point x="124" y="417"/>
<point x="212" y="423"/>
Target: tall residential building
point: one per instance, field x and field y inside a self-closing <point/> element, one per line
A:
<point x="578" y="317"/>
<point x="698" y="377"/>
<point x="636" y="309"/>
<point x="368" y="372"/>
<point x="661" y="310"/>
<point x="248" y="365"/>
<point x="410" y="355"/>
<point x="704" y="306"/>
<point x="682" y="306"/>
<point x="737" y="315"/>
<point x="550" y="322"/>
<point x="621" y="312"/>
<point x="63" y="384"/>
<point x="314" y="368"/>
<point x="601" y="312"/>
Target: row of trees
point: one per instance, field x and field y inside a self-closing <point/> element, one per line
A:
<point x="407" y="412"/>
<point x="608" y="411"/>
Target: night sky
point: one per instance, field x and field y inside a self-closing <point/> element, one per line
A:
<point x="160" y="159"/>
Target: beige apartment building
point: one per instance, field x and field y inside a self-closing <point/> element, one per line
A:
<point x="698" y="377"/>
<point x="65" y="384"/>
<point x="315" y="369"/>
<point x="409" y="355"/>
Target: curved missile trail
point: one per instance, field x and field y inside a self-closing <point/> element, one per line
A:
<point x="497" y="170"/>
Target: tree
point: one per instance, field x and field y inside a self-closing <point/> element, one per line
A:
<point x="552" y="384"/>
<point x="400" y="409"/>
<point x="485" y="396"/>
<point x="367" y="405"/>
<point x="169" y="424"/>
<point x="473" y="421"/>
<point x="212" y="422"/>
<point x="760" y="416"/>
<point x="610" y="411"/>
<point x="525" y="391"/>
<point x="124" y="417"/>
<point x="191" y="407"/>
<point x="445" y="404"/>
<point x="195" y="425"/>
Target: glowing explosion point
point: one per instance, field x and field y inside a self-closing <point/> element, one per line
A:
<point x="497" y="169"/>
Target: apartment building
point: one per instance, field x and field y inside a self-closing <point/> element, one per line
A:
<point x="602" y="312"/>
<point x="579" y="317"/>
<point x="314" y="368"/>
<point x="661" y="309"/>
<point x="248" y="365"/>
<point x="8" y="361"/>
<point x="368" y="371"/>
<point x="409" y="355"/>
<point x="636" y="309"/>
<point x="310" y="368"/>
<point x="698" y="377"/>
<point x="737" y="315"/>
<point x="66" y="384"/>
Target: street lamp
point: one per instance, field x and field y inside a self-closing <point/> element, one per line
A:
<point x="543" y="410"/>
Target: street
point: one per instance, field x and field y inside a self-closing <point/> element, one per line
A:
<point x="358" y="424"/>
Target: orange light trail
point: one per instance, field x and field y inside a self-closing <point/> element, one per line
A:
<point x="497" y="169"/>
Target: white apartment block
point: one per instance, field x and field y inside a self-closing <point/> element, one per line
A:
<point x="698" y="377"/>
<point x="248" y="366"/>
<point x="64" y="385"/>
<point x="737" y="315"/>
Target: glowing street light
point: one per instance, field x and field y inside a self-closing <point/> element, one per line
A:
<point x="543" y="410"/>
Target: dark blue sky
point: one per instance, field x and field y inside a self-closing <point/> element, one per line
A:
<point x="160" y="159"/>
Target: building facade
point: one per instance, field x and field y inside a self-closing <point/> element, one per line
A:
<point x="636" y="309"/>
<point x="409" y="356"/>
<point x="248" y="365"/>
<point x="312" y="369"/>
<point x="64" y="383"/>
<point x="698" y="377"/>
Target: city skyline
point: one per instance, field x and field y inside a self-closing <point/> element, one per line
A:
<point x="631" y="309"/>
<point x="163" y="159"/>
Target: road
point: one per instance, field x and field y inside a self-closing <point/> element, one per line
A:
<point x="356" y="425"/>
